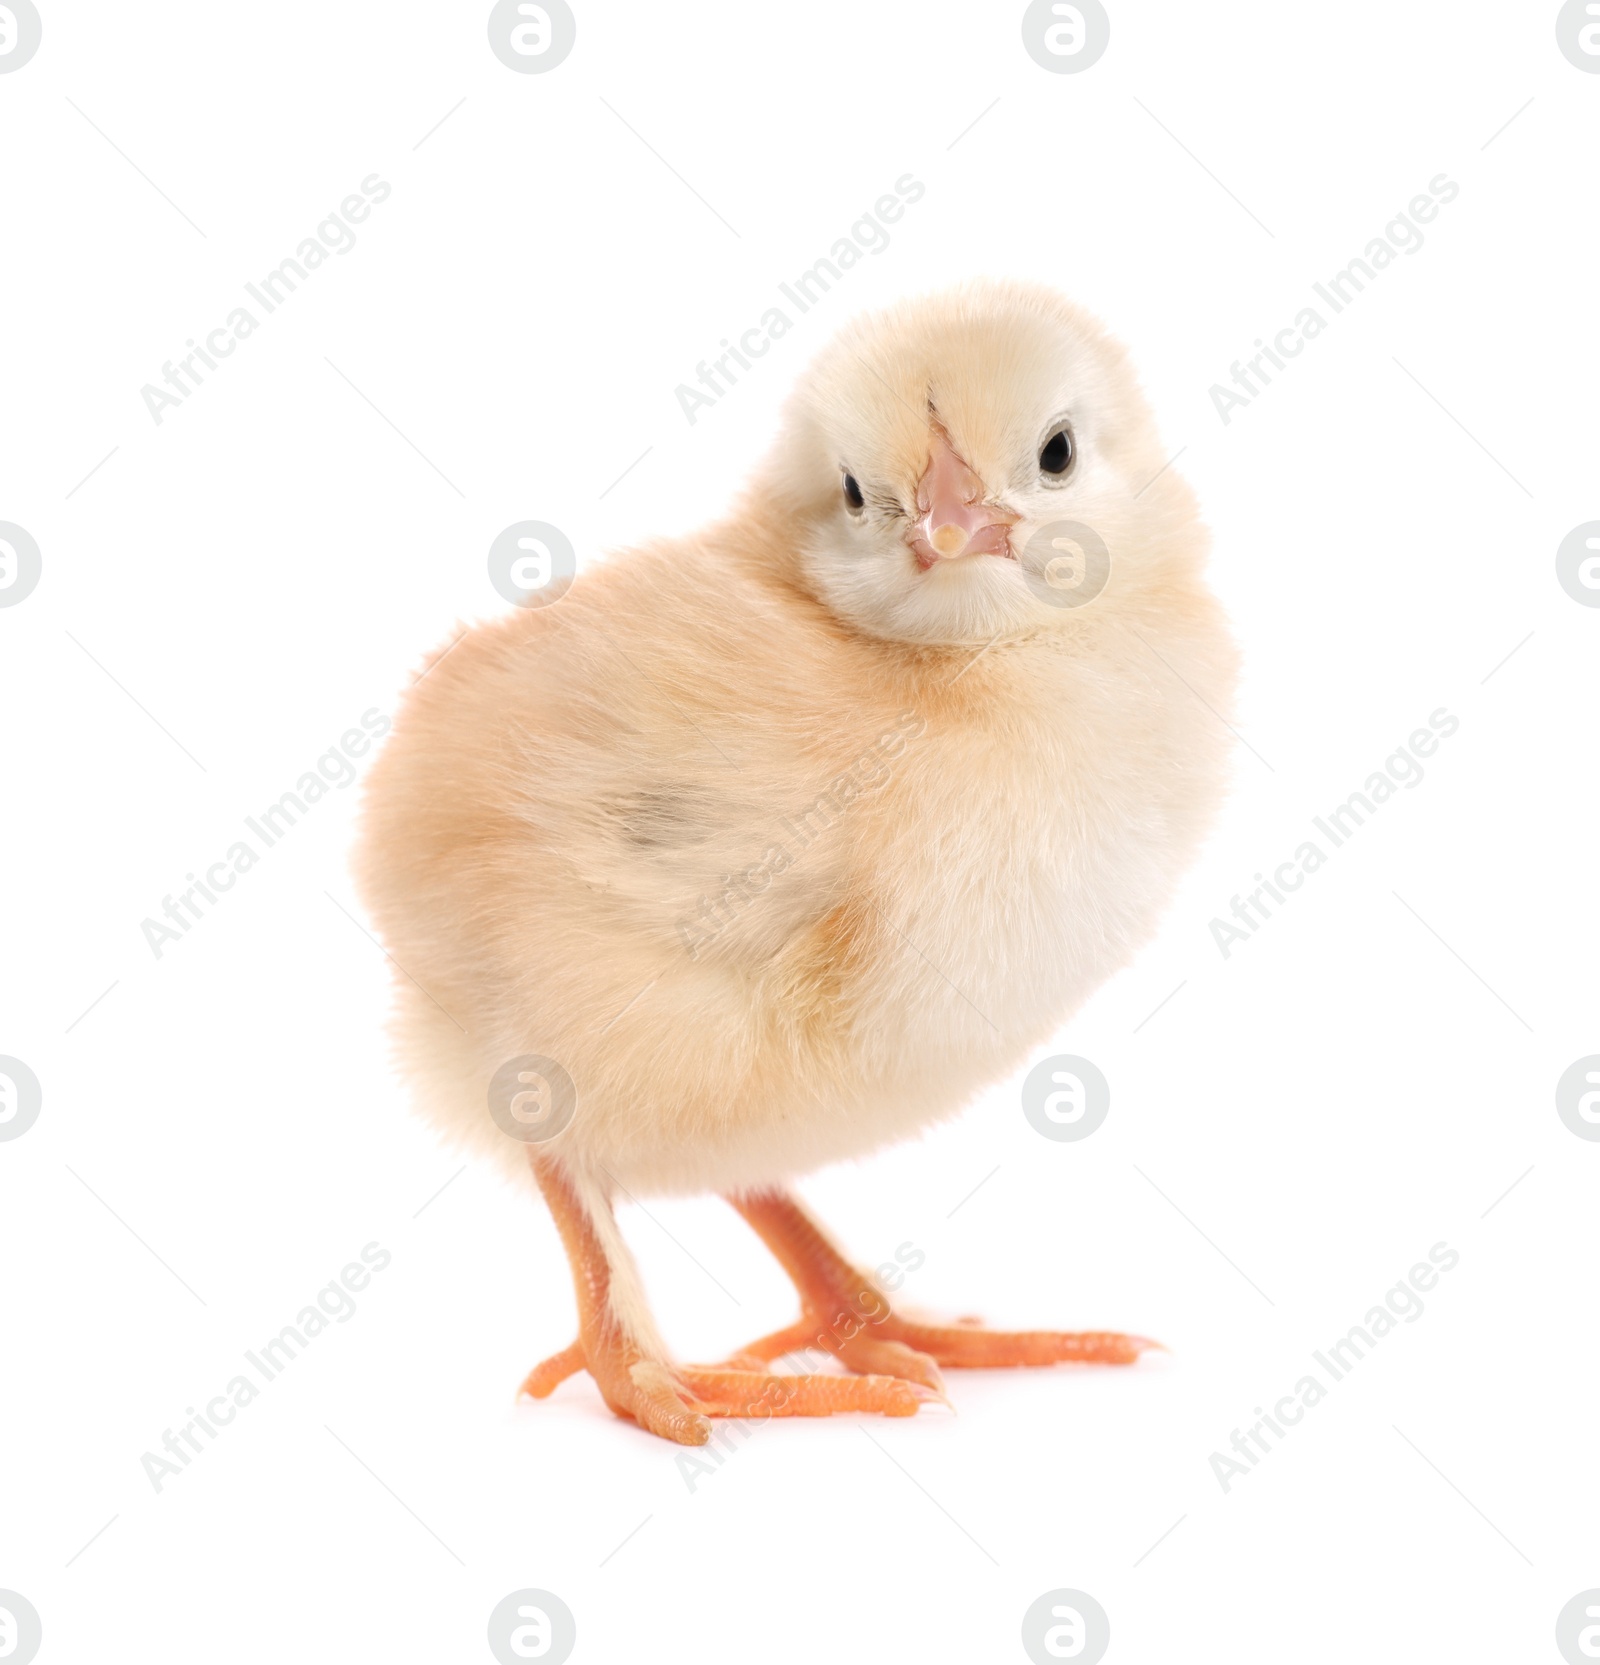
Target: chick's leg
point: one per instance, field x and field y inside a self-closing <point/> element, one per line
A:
<point x="617" y="1344"/>
<point x="627" y="1365"/>
<point x="845" y="1314"/>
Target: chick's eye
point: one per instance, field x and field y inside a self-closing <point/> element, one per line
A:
<point x="852" y="492"/>
<point x="1055" y="456"/>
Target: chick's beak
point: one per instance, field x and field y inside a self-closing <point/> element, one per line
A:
<point x="954" y="519"/>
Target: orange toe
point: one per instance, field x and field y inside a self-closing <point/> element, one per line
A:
<point x="545" y="1378"/>
<point x="960" y="1347"/>
<point x="875" y="1355"/>
<point x="752" y="1393"/>
<point x="794" y="1338"/>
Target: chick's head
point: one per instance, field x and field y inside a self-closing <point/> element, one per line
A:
<point x="973" y="465"/>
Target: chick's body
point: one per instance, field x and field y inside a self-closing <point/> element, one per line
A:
<point x="771" y="896"/>
<point x="779" y="849"/>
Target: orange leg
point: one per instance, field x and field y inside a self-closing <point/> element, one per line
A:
<point x="634" y="1377"/>
<point x="845" y="1315"/>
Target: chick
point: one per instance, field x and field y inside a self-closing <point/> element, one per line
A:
<point x="769" y="846"/>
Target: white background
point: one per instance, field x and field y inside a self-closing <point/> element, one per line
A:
<point x="274" y="558"/>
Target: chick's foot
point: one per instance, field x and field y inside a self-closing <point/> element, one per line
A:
<point x="676" y="1400"/>
<point x="847" y="1317"/>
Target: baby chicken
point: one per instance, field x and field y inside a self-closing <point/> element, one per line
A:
<point x="769" y="846"/>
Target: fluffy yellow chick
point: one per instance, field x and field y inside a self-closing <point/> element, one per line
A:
<point x="769" y="846"/>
